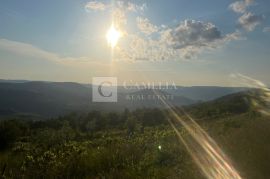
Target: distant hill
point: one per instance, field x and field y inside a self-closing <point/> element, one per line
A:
<point x="43" y="98"/>
<point x="13" y="81"/>
<point x="150" y="98"/>
<point x="236" y="103"/>
<point x="205" y="93"/>
<point x="56" y="98"/>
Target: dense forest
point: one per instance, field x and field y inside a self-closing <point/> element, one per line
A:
<point x="131" y="144"/>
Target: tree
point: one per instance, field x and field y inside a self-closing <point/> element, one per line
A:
<point x="131" y="124"/>
<point x="9" y="131"/>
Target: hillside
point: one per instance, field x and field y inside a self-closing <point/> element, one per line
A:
<point x="205" y="93"/>
<point x="133" y="143"/>
<point x="50" y="99"/>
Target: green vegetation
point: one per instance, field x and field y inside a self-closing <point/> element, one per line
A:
<point x="126" y="145"/>
<point x="95" y="145"/>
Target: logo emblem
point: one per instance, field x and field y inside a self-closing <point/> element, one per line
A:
<point x="104" y="89"/>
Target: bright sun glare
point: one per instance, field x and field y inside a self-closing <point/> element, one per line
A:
<point x="113" y="36"/>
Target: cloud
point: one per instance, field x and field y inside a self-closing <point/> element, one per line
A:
<point x="146" y="26"/>
<point x="238" y="6"/>
<point x="250" y="21"/>
<point x="119" y="9"/>
<point x="119" y="17"/>
<point x="156" y="43"/>
<point x="129" y="6"/>
<point x="192" y="37"/>
<point x="260" y="100"/>
<point x="31" y="51"/>
<point x="96" y="6"/>
<point x="27" y="50"/>
<point x="194" y="33"/>
<point x="241" y="6"/>
<point x="184" y="42"/>
<point x="124" y="5"/>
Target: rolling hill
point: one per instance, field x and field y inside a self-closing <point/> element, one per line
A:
<point x="56" y="98"/>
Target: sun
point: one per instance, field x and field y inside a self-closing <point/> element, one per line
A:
<point x="113" y="36"/>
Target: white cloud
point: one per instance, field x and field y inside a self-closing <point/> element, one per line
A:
<point x="192" y="37"/>
<point x="250" y="21"/>
<point x="119" y="17"/>
<point x="31" y="51"/>
<point x="119" y="9"/>
<point x="241" y="6"/>
<point x="27" y="50"/>
<point x="155" y="43"/>
<point x="194" y="33"/>
<point x="238" y="6"/>
<point x="183" y="42"/>
<point x="129" y="6"/>
<point x="124" y="5"/>
<point x="96" y="6"/>
<point x="146" y="26"/>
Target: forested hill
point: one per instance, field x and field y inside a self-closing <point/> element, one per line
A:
<point x="137" y="143"/>
<point x="51" y="99"/>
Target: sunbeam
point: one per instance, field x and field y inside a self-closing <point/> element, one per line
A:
<point x="203" y="149"/>
<point x="259" y="96"/>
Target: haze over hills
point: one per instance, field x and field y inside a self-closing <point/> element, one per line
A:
<point x="56" y="98"/>
<point x="94" y="139"/>
<point x="90" y="137"/>
<point x="205" y="93"/>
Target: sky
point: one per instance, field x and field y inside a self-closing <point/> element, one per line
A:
<point x="188" y="42"/>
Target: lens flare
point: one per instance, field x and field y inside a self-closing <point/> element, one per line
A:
<point x="113" y="36"/>
<point x="260" y="96"/>
<point x="203" y="149"/>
